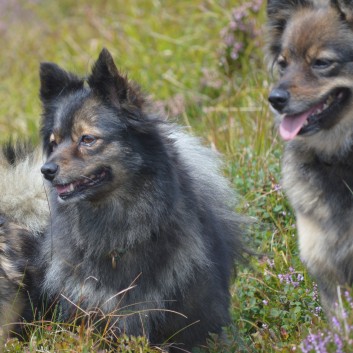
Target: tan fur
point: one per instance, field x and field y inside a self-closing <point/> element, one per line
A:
<point x="314" y="245"/>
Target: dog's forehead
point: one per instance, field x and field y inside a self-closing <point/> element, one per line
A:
<point x="311" y="30"/>
<point x="65" y="110"/>
<point x="76" y="112"/>
<point x="79" y="114"/>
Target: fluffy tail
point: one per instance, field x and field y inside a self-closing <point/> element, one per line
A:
<point x="22" y="194"/>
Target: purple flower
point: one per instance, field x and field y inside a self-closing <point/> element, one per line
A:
<point x="271" y="263"/>
<point x="317" y="310"/>
<point x="348" y="298"/>
<point x="277" y="187"/>
<point x="233" y="25"/>
<point x="234" y="54"/>
<point x="338" y="342"/>
<point x="239" y="34"/>
<point x="229" y="39"/>
<point x="300" y="277"/>
<point x="336" y="323"/>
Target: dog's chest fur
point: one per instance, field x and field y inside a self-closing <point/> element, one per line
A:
<point x="81" y="270"/>
<point x="321" y="193"/>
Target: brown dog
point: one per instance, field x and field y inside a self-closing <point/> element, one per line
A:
<point x="311" y="45"/>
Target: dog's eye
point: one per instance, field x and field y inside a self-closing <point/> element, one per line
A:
<point x="282" y="64"/>
<point x="87" y="140"/>
<point x="322" y="63"/>
<point x="52" y="143"/>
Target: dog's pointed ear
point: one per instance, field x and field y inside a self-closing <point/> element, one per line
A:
<point x="106" y="81"/>
<point x="54" y="81"/>
<point x="345" y="8"/>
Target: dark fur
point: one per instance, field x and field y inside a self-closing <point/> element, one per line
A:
<point x="151" y="246"/>
<point x="312" y="44"/>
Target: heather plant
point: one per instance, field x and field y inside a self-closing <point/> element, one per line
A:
<point x="241" y="39"/>
<point x="336" y="336"/>
<point x="282" y="300"/>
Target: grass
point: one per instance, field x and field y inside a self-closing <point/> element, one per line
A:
<point x="187" y="55"/>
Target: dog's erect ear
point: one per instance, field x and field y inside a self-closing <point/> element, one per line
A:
<point x="278" y="14"/>
<point x="106" y="81"/>
<point x="345" y="8"/>
<point x="54" y="81"/>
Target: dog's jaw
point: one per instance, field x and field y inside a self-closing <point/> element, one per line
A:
<point x="78" y="187"/>
<point x="320" y="116"/>
<point x="291" y="125"/>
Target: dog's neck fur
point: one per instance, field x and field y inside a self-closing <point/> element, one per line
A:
<point x="119" y="232"/>
<point x="343" y="156"/>
<point x="332" y="146"/>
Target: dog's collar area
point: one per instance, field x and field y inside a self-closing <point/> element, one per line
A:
<point x="116" y="255"/>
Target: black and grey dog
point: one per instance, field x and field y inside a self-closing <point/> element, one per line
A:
<point x="141" y="234"/>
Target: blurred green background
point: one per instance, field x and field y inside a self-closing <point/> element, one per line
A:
<point x="172" y="48"/>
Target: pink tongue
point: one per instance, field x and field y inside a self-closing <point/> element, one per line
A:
<point x="61" y="189"/>
<point x="291" y="124"/>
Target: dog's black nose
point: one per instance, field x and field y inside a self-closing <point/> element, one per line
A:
<point x="49" y="170"/>
<point x="279" y="98"/>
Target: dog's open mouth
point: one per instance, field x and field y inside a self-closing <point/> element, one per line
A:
<point x="319" y="116"/>
<point x="66" y="191"/>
